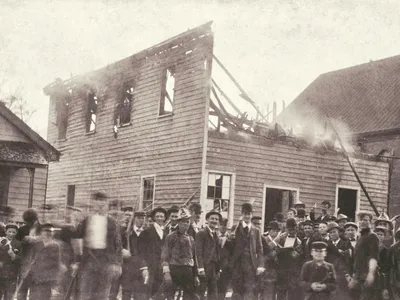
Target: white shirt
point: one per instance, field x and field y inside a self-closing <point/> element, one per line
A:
<point x="335" y="242"/>
<point x="96" y="232"/>
<point x="244" y="224"/>
<point x="195" y="227"/>
<point x="160" y="230"/>
<point x="289" y="242"/>
<point x="138" y="230"/>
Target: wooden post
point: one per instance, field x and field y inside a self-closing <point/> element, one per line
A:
<point x="31" y="182"/>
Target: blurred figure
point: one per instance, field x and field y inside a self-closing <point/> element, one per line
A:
<point x="256" y="222"/>
<point x="384" y="263"/>
<point x="127" y="216"/>
<point x="10" y="250"/>
<point x="27" y="234"/>
<point x="325" y="210"/>
<point x="149" y="220"/>
<point x="323" y="231"/>
<point x="281" y="221"/>
<point x="291" y="214"/>
<point x="307" y="240"/>
<point x="7" y="214"/>
<point x="100" y="256"/>
<point x="45" y="265"/>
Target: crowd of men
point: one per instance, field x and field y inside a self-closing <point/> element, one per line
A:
<point x="166" y="254"/>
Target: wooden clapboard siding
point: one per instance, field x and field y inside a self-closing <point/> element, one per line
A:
<point x="315" y="175"/>
<point x="8" y="132"/>
<point x="18" y="194"/>
<point x="169" y="147"/>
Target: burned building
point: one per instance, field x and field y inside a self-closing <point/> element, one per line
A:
<point x="24" y="159"/>
<point x="158" y="128"/>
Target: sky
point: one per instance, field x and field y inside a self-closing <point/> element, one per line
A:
<point x="274" y="48"/>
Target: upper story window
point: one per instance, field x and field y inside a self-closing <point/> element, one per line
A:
<point x="124" y="107"/>
<point x="167" y="92"/>
<point x="91" y="118"/>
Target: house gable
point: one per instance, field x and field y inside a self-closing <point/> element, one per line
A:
<point x="8" y="132"/>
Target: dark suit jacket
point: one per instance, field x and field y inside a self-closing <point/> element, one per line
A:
<point x="207" y="248"/>
<point x="150" y="246"/>
<point x="114" y="241"/>
<point x="131" y="265"/>
<point x="256" y="248"/>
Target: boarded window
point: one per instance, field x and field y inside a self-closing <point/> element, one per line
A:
<point x="219" y="191"/>
<point x="4" y="184"/>
<point x="124" y="108"/>
<point x="71" y="195"/>
<point x="91" y="118"/>
<point x="148" y="192"/>
<point x="167" y="93"/>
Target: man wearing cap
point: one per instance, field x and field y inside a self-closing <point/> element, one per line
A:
<point x="325" y="209"/>
<point x="318" y="276"/>
<point x="173" y="213"/>
<point x="338" y="252"/>
<point x="100" y="256"/>
<point x="178" y="258"/>
<point x="247" y="255"/>
<point x="291" y="214"/>
<point x="134" y="272"/>
<point x="384" y="263"/>
<point x="364" y="284"/>
<point x="127" y="216"/>
<point x="151" y="242"/>
<point x="351" y="230"/>
<point x="208" y="256"/>
<point x="195" y="212"/>
<point x="342" y="219"/>
<point x="289" y="254"/>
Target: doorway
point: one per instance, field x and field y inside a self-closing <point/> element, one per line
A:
<point x="4" y="184"/>
<point x="278" y="199"/>
<point x="347" y="201"/>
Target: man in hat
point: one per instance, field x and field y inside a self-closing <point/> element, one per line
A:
<point x="384" y="263"/>
<point x="149" y="220"/>
<point x="100" y="258"/>
<point x="151" y="242"/>
<point x="384" y="221"/>
<point x="279" y="217"/>
<point x="351" y="230"/>
<point x="195" y="212"/>
<point x="247" y="255"/>
<point x="337" y="254"/>
<point x="208" y="256"/>
<point x="256" y="221"/>
<point x="173" y="213"/>
<point x="299" y="205"/>
<point x="127" y="216"/>
<point x="341" y="220"/>
<point x="325" y="210"/>
<point x="300" y="218"/>
<point x="289" y="255"/>
<point x="10" y="251"/>
<point x="291" y="213"/>
<point x="317" y="276"/>
<point x="364" y="283"/>
<point x="134" y="272"/>
<point x="7" y="214"/>
<point x="178" y="258"/>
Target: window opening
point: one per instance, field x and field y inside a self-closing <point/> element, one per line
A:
<point x="219" y="193"/>
<point x="91" y="121"/>
<point x="168" y="93"/>
<point x="277" y="200"/>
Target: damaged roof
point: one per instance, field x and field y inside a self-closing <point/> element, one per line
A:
<point x="365" y="97"/>
<point x="40" y="145"/>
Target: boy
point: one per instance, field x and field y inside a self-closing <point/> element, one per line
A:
<point x="178" y="258"/>
<point x="317" y="276"/>
<point x="10" y="250"/>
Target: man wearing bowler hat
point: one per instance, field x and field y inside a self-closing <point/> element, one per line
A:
<point x="208" y="256"/>
<point x="247" y="255"/>
<point x="151" y="242"/>
<point x="173" y="214"/>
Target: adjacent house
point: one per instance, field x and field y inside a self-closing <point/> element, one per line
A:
<point x="24" y="160"/>
<point x="365" y="99"/>
<point x="156" y="129"/>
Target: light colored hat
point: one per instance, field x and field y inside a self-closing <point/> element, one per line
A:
<point x="341" y="217"/>
<point x="183" y="214"/>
